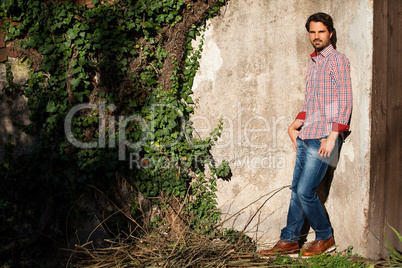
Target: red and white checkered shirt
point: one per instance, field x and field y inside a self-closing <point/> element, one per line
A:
<point x="328" y="98"/>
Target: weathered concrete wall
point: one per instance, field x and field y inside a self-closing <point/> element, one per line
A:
<point x="14" y="111"/>
<point x="253" y="74"/>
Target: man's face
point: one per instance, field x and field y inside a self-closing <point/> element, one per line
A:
<point x="320" y="37"/>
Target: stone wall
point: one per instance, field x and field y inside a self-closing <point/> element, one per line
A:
<point x="252" y="74"/>
<point x="14" y="111"/>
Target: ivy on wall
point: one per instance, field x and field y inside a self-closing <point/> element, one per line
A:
<point x="132" y="74"/>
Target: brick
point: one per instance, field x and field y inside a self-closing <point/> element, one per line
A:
<point x="3" y="54"/>
<point x="2" y="43"/>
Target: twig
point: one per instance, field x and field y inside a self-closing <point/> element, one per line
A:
<point x="255" y="201"/>
<point x="275" y="192"/>
<point x="100" y="224"/>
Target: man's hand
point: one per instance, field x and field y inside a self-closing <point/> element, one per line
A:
<point x="293" y="133"/>
<point x="327" y="145"/>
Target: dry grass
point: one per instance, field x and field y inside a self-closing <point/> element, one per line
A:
<point x="155" y="250"/>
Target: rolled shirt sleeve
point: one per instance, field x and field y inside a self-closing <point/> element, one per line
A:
<point x="301" y="116"/>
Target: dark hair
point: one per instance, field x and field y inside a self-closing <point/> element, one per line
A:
<point x="323" y="18"/>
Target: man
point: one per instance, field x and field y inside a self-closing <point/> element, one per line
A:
<point x="316" y="135"/>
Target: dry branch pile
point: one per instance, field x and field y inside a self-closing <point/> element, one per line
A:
<point x="154" y="250"/>
<point x="165" y="246"/>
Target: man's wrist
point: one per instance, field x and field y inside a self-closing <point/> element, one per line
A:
<point x="333" y="135"/>
<point x="295" y="125"/>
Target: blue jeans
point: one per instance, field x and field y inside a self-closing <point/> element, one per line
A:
<point x="309" y="170"/>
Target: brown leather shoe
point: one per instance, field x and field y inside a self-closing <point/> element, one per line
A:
<point x="320" y="246"/>
<point x="282" y="247"/>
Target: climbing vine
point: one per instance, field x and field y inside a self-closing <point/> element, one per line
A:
<point x="109" y="95"/>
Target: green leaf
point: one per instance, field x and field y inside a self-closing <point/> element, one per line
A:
<point x="192" y="34"/>
<point x="72" y="33"/>
<point x="171" y="124"/>
<point x="79" y="96"/>
<point x="189" y="100"/>
<point x="47" y="49"/>
<point x="75" y="82"/>
<point x="51" y="107"/>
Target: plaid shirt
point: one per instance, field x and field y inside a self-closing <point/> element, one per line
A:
<point x="328" y="98"/>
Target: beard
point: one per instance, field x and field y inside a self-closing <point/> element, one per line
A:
<point x="319" y="45"/>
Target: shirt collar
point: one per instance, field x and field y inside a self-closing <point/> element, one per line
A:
<point x="325" y="52"/>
